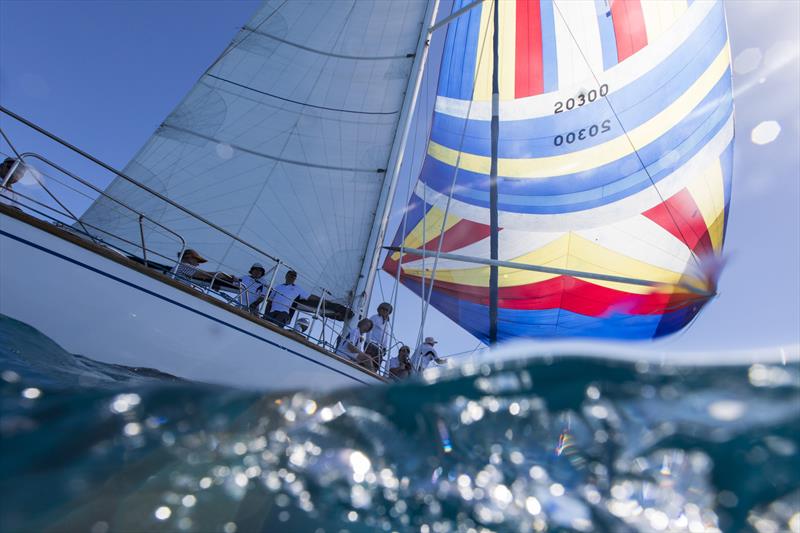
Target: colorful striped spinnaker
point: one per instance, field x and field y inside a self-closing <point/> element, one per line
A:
<point x="614" y="160"/>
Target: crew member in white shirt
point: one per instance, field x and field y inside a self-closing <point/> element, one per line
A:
<point x="252" y="288"/>
<point x="349" y="345"/>
<point x="283" y="297"/>
<point x="378" y="338"/>
<point x="425" y="355"/>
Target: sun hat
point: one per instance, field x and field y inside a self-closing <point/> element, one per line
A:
<point x="191" y="252"/>
<point x="430" y="340"/>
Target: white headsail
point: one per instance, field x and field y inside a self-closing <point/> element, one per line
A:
<point x="284" y="141"/>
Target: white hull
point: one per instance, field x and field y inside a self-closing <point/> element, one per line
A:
<point x="106" y="310"/>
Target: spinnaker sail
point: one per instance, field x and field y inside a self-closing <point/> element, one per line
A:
<point x="284" y="141"/>
<point x="614" y="159"/>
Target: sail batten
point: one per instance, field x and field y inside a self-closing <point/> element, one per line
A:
<point x="614" y="160"/>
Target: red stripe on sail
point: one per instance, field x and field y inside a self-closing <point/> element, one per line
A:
<point x="528" y="73"/>
<point x="571" y="294"/>
<point x="680" y="216"/>
<point x="629" y="27"/>
<point x="463" y="233"/>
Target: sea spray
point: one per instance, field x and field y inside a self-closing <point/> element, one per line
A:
<point x="529" y="444"/>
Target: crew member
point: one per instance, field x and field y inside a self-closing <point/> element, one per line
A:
<point x="378" y="338"/>
<point x="349" y="345"/>
<point x="425" y="355"/>
<point x="252" y="288"/>
<point x="283" y="297"/>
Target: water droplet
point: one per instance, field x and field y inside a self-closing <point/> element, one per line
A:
<point x="124" y="402"/>
<point x="533" y="506"/>
<point x="765" y="132"/>
<point x="132" y="429"/>
<point x="747" y="61"/>
<point x="224" y="150"/>
<point x="727" y="410"/>
<point x="360" y="464"/>
<point x="9" y="376"/>
<point x="31" y="393"/>
<point x="502" y="495"/>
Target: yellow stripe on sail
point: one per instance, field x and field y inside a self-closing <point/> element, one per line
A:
<point x="552" y="254"/>
<point x="660" y="15"/>
<point x="507" y="49"/>
<point x="576" y="253"/>
<point x="707" y="190"/>
<point x="485" y="63"/>
<point x="426" y="229"/>
<point x="596" y="156"/>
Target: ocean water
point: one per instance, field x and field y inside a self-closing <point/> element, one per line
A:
<point x="529" y="444"/>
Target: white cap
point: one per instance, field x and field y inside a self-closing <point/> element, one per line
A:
<point x="430" y="340"/>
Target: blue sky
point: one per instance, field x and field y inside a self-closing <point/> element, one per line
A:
<point x="105" y="74"/>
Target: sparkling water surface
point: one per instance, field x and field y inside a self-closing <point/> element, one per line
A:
<point x="527" y="444"/>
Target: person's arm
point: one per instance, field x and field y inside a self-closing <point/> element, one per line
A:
<point x="202" y="275"/>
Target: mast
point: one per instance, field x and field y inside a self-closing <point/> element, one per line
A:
<point x="366" y="277"/>
<point x="493" y="226"/>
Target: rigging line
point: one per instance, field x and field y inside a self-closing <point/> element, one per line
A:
<point x="323" y="52"/>
<point x="445" y="21"/>
<point x="305" y="104"/>
<point x="426" y="300"/>
<point x="693" y="255"/>
<point x="419" y="113"/>
<point x="8" y="142"/>
<point x="380" y="286"/>
<point x="233" y="45"/>
<point x="272" y="157"/>
<point x="41" y="184"/>
<point x="468" y="352"/>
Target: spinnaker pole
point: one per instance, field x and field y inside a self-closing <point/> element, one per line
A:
<point x="493" y="225"/>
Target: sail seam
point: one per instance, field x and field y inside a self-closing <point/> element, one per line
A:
<point x="324" y="53"/>
<point x="272" y="157"/>
<point x="301" y="103"/>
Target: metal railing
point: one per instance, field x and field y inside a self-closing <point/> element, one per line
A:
<point x="322" y="330"/>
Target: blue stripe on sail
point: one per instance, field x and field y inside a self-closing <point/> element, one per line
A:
<point x="603" y="184"/>
<point x="415" y="211"/>
<point x="457" y="70"/>
<point x="515" y="323"/>
<point x="549" y="57"/>
<point x="608" y="39"/>
<point x="635" y="104"/>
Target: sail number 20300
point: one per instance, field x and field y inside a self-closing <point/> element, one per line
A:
<point x="581" y="100"/>
<point x="583" y="133"/>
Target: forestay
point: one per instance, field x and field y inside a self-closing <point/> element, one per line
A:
<point x="284" y="141"/>
<point x="614" y="158"/>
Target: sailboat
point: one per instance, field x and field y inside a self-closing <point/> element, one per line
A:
<point x="576" y="181"/>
